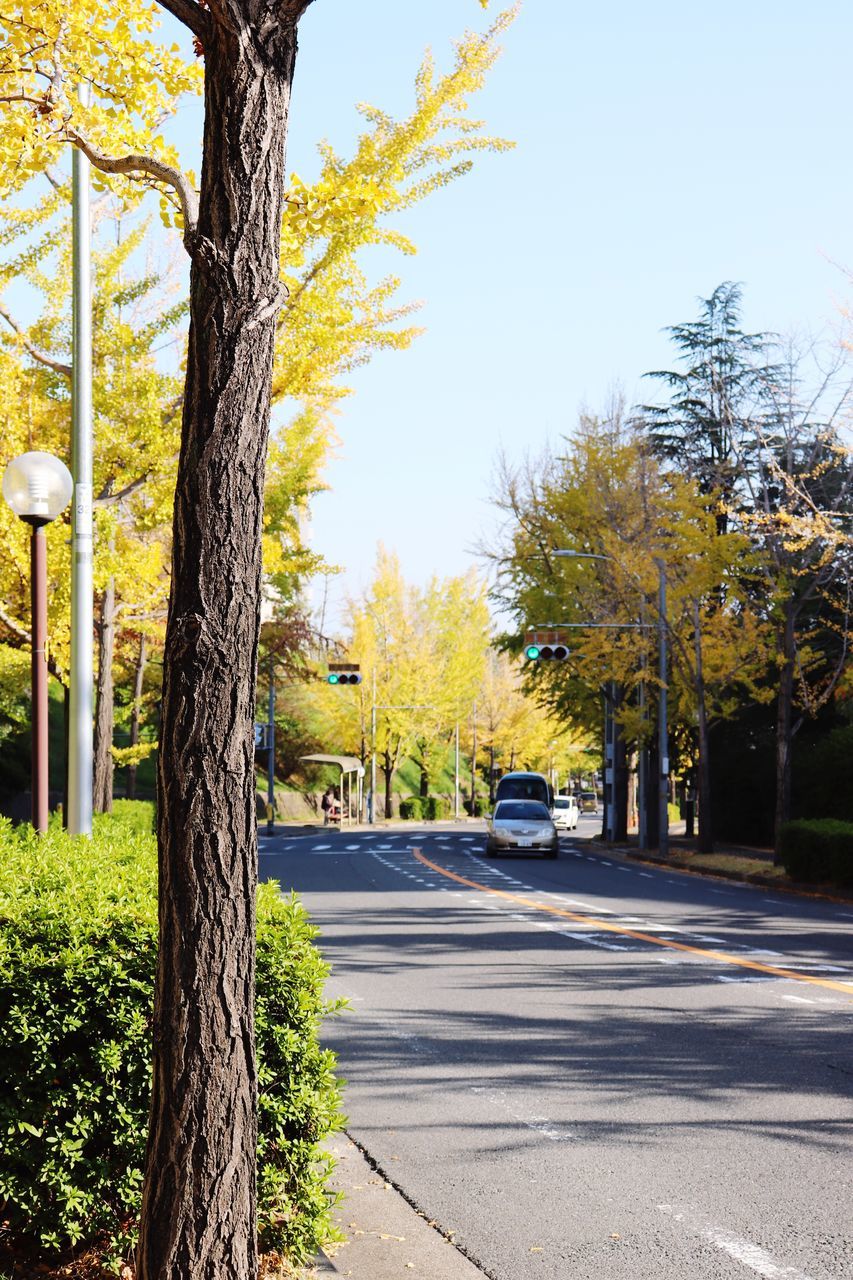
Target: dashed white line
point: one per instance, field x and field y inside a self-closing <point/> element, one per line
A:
<point x="737" y="1247"/>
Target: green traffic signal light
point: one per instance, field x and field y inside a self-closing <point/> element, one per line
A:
<point x="333" y="679"/>
<point x="532" y="652"/>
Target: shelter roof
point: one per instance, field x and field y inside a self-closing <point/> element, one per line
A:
<point x="346" y="764"/>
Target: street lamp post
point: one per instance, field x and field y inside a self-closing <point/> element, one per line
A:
<point x="663" y="673"/>
<point x="37" y="486"/>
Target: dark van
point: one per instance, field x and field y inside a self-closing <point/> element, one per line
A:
<point x="526" y="786"/>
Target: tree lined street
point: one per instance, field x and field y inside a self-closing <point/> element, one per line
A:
<point x="591" y="1067"/>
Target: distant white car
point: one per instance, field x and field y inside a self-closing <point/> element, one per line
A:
<point x="565" y="813"/>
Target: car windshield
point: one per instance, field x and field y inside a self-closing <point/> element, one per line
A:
<point x="587" y="795"/>
<point x="562" y="802"/>
<point x="530" y="809"/>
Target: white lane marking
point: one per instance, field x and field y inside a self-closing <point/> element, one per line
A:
<point x="645" y="875"/>
<point x="737" y="1247"/>
<point x="587" y="906"/>
<point x="315" y="848"/>
<point x="593" y="941"/>
<point x="724" y="977"/>
<point x="353" y="846"/>
<point x="798" y="1000"/>
<point x="539" y="1124"/>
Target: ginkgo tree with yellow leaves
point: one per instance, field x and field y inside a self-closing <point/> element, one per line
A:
<point x="605" y="496"/>
<point x="201" y="1158"/>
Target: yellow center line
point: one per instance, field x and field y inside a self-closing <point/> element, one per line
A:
<point x="608" y="927"/>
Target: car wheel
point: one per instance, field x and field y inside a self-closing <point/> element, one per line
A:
<point x="490" y="849"/>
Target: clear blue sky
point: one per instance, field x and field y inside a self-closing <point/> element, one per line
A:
<point x="660" y="149"/>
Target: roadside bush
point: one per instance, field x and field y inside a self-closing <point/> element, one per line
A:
<point x="412" y="808"/>
<point x="818" y="849"/>
<point x="436" y="808"/>
<point x="77" y="961"/>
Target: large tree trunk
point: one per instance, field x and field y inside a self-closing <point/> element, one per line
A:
<point x="784" y="729"/>
<point x="198" y="1209"/>
<point x="136" y="711"/>
<point x="102" y="782"/>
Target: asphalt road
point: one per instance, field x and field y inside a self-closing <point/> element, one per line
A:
<point x="589" y="1068"/>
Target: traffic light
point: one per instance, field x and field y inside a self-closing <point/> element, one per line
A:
<point x="547" y="652"/>
<point x="545" y="647"/>
<point x="343" y="673"/>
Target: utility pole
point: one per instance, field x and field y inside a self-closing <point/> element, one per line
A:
<point x="80" y="746"/>
<point x="663" y="729"/>
<point x="373" y="753"/>
<point x="474" y="760"/>
<point x="271" y="752"/>
<point x="456" y="775"/>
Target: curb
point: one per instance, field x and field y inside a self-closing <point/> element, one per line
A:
<point x="753" y="878"/>
<point x="387" y="1236"/>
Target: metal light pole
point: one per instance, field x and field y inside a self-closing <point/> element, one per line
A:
<point x="80" y="745"/>
<point x="373" y="753"/>
<point x="663" y="728"/>
<point x="271" y="753"/>
<point x="37" y="486"/>
<point x="456" y="775"/>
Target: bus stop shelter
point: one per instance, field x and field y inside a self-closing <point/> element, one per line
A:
<point x="350" y="767"/>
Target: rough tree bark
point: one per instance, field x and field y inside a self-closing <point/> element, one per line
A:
<point x="136" y="711"/>
<point x="102" y="778"/>
<point x="198" y="1211"/>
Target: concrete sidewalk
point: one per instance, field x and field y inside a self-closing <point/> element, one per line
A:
<point x="386" y="1239"/>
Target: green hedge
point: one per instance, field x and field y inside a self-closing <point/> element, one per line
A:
<point x="78" y="931"/>
<point x="818" y="849"/>
<point x="435" y="808"/>
<point x="412" y="808"/>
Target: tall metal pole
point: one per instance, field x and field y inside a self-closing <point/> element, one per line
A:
<point x="80" y="681"/>
<point x="373" y="753"/>
<point x="271" y="753"/>
<point x="643" y="754"/>
<point x="663" y="728"/>
<point x="38" y="622"/>
<point x="474" y="761"/>
<point x="642" y="778"/>
<point x="456" y="775"/>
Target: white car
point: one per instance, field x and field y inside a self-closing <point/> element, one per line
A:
<point x="565" y="813"/>
<point x="521" y="824"/>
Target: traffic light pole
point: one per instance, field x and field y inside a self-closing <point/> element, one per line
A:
<point x="663" y="728"/>
<point x="271" y="753"/>
<point x="456" y="775"/>
<point x="373" y="754"/>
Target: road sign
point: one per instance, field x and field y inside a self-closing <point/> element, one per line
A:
<point x="261" y="737"/>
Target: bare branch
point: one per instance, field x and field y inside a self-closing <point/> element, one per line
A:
<point x="106" y="498"/>
<point x="157" y="169"/>
<point x="189" y="13"/>
<point x="40" y="356"/>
